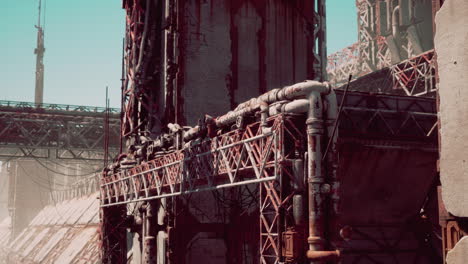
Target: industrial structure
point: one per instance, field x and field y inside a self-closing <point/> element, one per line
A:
<point x="51" y="147"/>
<point x="276" y="178"/>
<point x="241" y="141"/>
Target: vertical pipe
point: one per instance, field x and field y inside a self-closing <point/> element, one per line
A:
<point x="396" y="22"/>
<point x="317" y="187"/>
<point x="332" y="157"/>
<point x="389" y="15"/>
<point x="162" y="235"/>
<point x="150" y="253"/>
<point x="314" y="169"/>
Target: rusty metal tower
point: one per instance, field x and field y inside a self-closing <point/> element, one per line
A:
<point x="39" y="51"/>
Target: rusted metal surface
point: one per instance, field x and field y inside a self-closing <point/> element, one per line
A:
<point x="343" y="63"/>
<point x="64" y="233"/>
<point x="250" y="38"/>
<point x="207" y="165"/>
<point x="169" y="70"/>
<point x="379" y="46"/>
<point x="416" y="76"/>
<point x="72" y="132"/>
<point x="394" y="125"/>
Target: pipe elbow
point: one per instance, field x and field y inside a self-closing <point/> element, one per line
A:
<point x="315" y="110"/>
<point x="303" y="89"/>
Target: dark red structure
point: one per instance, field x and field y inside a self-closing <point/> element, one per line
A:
<point x="277" y="179"/>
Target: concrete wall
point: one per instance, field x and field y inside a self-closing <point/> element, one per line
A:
<point x="27" y="194"/>
<point x="235" y="50"/>
<point x="452" y="59"/>
<point x="32" y="182"/>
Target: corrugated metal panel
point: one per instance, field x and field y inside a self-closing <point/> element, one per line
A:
<point x="64" y="233"/>
<point x="52" y="242"/>
<point x="92" y="214"/>
<point x="90" y="253"/>
<point x="35" y="241"/>
<point x="76" y="245"/>
<point x="83" y="205"/>
<point x="25" y="236"/>
<point x="5" y="231"/>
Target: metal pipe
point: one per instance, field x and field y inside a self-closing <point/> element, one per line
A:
<point x="298" y="210"/>
<point x="318" y="189"/>
<point x="296" y="106"/>
<point x="410" y="7"/>
<point x="143" y="37"/>
<point x="315" y="177"/>
<point x="331" y="155"/>
<point x="389" y="15"/>
<point x="295" y="91"/>
<point x="321" y="256"/>
<point x="396" y="22"/>
<point x="150" y="250"/>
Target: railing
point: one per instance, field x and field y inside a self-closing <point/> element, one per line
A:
<point x="57" y="107"/>
<point x="80" y="188"/>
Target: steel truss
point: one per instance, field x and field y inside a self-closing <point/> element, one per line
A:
<point x="262" y="154"/>
<point x="399" y="243"/>
<point x="256" y="154"/>
<point x="223" y="161"/>
<point x="416" y="76"/>
<point x="412" y="77"/>
<point x="343" y="63"/>
<point x="384" y="117"/>
<point x="70" y="132"/>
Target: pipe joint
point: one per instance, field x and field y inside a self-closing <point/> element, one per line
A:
<point x="323" y="255"/>
<point x="315" y="241"/>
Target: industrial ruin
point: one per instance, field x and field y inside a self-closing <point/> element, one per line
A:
<point x="239" y="140"/>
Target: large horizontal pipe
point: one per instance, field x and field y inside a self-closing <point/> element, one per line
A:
<point x="295" y="91"/>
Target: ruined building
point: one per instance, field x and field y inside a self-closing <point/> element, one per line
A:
<point x="242" y="142"/>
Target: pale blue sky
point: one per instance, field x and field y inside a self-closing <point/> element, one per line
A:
<point x="83" y="41"/>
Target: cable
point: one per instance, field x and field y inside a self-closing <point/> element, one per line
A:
<point x="65" y="166"/>
<point x="337" y="118"/>
<point x="43" y="185"/>
<point x="52" y="196"/>
<point x="61" y="173"/>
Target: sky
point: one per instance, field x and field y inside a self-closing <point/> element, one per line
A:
<point x="83" y="41"/>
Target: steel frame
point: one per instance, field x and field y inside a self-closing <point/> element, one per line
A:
<point x="80" y="188"/>
<point x="383" y="117"/>
<point x="416" y="76"/>
<point x="343" y="63"/>
<point x="72" y="132"/>
<point x="221" y="162"/>
<point x="259" y="155"/>
<point x="386" y="242"/>
<point x="239" y="157"/>
<point x="29" y="107"/>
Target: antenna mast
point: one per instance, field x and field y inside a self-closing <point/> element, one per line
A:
<point x="39" y="51"/>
